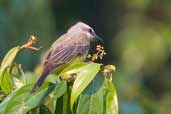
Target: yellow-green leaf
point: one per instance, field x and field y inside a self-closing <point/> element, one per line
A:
<point x="8" y="62"/>
<point x="73" y="68"/>
<point x="84" y="77"/>
<point x="9" y="58"/>
<point x="111" y="99"/>
<point x="6" y="82"/>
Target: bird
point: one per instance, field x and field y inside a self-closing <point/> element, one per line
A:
<point x="72" y="46"/>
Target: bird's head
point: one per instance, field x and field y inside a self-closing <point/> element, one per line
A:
<point x="86" y="29"/>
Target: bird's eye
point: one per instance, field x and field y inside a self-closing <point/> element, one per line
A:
<point x="90" y="30"/>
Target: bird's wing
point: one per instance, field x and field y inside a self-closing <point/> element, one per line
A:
<point x="66" y="53"/>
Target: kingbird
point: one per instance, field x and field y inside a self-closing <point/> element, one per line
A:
<point x="71" y="46"/>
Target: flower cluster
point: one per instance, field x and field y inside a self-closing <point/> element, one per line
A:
<point x="99" y="54"/>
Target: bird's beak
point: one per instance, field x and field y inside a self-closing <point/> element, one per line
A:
<point x="98" y="38"/>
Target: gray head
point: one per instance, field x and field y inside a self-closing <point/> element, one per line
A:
<point x="86" y="29"/>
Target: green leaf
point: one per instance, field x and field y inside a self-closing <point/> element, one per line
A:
<point x="31" y="78"/>
<point x="9" y="58"/>
<point x="53" y="78"/>
<point x="73" y="68"/>
<point x="65" y="103"/>
<point x="84" y="77"/>
<point x="62" y="104"/>
<point x="7" y="62"/>
<point x="59" y="106"/>
<point x="111" y="99"/>
<point x="4" y="104"/>
<point x="91" y="100"/>
<point x="23" y="100"/>
<point x="59" y="90"/>
<point x="6" y="82"/>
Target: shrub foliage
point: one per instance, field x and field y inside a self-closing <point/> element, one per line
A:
<point x="81" y="88"/>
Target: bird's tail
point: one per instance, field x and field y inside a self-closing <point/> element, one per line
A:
<point x="41" y="80"/>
